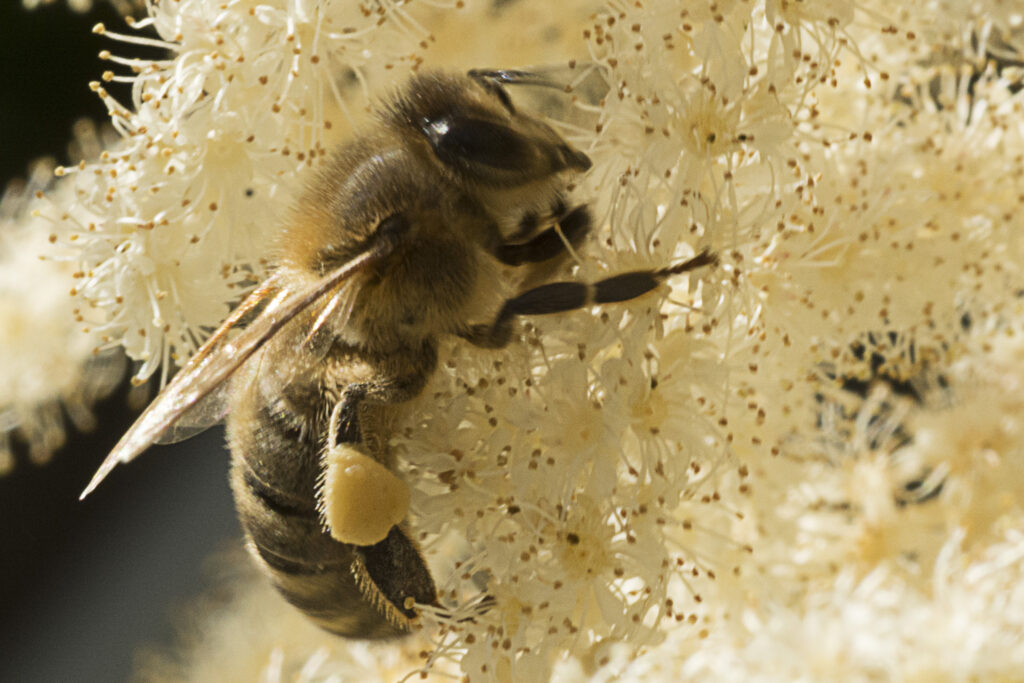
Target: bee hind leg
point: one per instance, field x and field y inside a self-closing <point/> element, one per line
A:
<point x="393" y="577"/>
<point x="359" y="500"/>
<point x="397" y="383"/>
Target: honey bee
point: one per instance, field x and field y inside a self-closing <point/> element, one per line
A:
<point x="398" y="241"/>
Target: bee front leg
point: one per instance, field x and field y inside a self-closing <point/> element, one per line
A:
<point x="559" y="297"/>
<point x="548" y="244"/>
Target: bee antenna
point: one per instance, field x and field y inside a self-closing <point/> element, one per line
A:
<point x="513" y="77"/>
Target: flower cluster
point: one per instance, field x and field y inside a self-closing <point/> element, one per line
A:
<point x="966" y="624"/>
<point x="815" y="443"/>
<point x="51" y="368"/>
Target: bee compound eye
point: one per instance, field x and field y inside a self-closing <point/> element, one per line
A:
<point x="462" y="142"/>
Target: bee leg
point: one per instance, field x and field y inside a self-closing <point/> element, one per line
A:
<point x="358" y="498"/>
<point x="390" y="386"/>
<point x="348" y="415"/>
<point x="558" y="297"/>
<point x="381" y="391"/>
<point x="393" y="576"/>
<point x="530" y="221"/>
<point x="574" y="226"/>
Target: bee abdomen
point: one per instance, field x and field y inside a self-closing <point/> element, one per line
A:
<point x="310" y="569"/>
<point x="354" y="591"/>
<point x="276" y="501"/>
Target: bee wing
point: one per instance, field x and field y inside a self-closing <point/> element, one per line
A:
<point x="219" y="358"/>
<point x="213" y="407"/>
<point x="199" y="417"/>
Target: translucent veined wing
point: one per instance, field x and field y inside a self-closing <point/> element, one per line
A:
<point x="213" y="408"/>
<point x="199" y="417"/>
<point x="220" y="357"/>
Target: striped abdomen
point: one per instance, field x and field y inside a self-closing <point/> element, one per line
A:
<point x="356" y="591"/>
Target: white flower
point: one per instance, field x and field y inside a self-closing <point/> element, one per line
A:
<point x="51" y="366"/>
<point x="965" y="622"/>
<point x="716" y="480"/>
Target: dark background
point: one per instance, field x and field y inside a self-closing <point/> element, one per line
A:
<point x="84" y="584"/>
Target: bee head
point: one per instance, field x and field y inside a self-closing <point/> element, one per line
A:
<point x="472" y="128"/>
